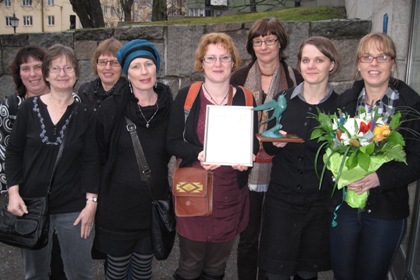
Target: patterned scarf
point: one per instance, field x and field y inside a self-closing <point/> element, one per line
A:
<point x="259" y="176"/>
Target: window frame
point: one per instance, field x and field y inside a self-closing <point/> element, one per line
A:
<point x="27" y="3"/>
<point x="27" y="21"/>
<point x="51" y="20"/>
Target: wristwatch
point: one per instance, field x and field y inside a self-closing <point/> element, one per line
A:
<point x="94" y="199"/>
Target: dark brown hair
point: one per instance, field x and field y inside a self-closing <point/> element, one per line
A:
<point x="21" y="57"/>
<point x="267" y="26"/>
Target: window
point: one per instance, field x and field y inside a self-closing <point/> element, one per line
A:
<point x="50" y="3"/>
<point x="9" y="21"/>
<point x="8" y="3"/>
<point x="27" y="20"/>
<point x="196" y="12"/>
<point x="26" y="2"/>
<point x="51" y="20"/>
<point x="105" y="10"/>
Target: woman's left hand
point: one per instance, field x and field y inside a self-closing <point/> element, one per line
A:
<point x="87" y="218"/>
<point x="240" y="167"/>
<point x="206" y="166"/>
<point x="369" y="182"/>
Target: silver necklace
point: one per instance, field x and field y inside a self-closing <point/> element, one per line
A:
<point x="224" y="98"/>
<point x="141" y="112"/>
<point x="154" y="114"/>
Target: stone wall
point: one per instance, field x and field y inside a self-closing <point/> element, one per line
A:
<point x="177" y="44"/>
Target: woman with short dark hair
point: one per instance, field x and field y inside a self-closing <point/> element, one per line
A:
<point x="266" y="75"/>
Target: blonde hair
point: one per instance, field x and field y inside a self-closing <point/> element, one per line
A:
<point x="381" y="41"/>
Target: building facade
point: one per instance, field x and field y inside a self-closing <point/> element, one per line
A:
<point x="37" y="16"/>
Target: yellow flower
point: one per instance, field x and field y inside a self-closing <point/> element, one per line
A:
<point x="381" y="132"/>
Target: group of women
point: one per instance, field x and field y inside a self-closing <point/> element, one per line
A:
<point x="111" y="212"/>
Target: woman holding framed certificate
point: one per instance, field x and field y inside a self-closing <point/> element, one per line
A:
<point x="206" y="242"/>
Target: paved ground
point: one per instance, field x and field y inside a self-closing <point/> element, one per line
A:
<point x="11" y="266"/>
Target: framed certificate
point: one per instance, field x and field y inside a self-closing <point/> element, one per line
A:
<point x="229" y="134"/>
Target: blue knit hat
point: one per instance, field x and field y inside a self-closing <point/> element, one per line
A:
<point x="135" y="49"/>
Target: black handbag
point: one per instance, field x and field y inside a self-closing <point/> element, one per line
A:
<point x="29" y="231"/>
<point x="163" y="224"/>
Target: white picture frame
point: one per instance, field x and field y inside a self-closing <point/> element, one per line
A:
<point x="229" y="135"/>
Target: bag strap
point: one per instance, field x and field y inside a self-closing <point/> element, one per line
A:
<point x="249" y="97"/>
<point x="145" y="172"/>
<point x="57" y="160"/>
<point x="13" y="102"/>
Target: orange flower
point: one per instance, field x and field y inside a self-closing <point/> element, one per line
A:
<point x="381" y="132"/>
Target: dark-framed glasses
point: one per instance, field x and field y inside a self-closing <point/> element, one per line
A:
<point x="268" y="42"/>
<point x="104" y="62"/>
<point x="211" y="59"/>
<point x="380" y="58"/>
<point x="66" y="69"/>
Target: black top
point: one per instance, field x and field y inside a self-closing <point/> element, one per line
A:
<point x="33" y="148"/>
<point x="93" y="94"/>
<point x="124" y="208"/>
<point x="293" y="170"/>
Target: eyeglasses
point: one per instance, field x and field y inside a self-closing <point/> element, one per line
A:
<point x="211" y="59"/>
<point x="268" y="42"/>
<point x="104" y="62"/>
<point x="380" y="59"/>
<point x="57" y="70"/>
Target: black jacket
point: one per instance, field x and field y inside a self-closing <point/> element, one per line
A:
<point x="390" y="200"/>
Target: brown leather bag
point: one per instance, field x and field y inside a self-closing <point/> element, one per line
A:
<point x="193" y="191"/>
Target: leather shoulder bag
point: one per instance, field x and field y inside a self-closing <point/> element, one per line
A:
<point x="163" y="224"/>
<point x="29" y="231"/>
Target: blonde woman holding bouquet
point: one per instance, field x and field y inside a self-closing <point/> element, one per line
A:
<point x="294" y="237"/>
<point x="364" y="241"/>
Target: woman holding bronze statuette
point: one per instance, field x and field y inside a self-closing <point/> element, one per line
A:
<point x="294" y="235"/>
<point x="266" y="75"/>
<point x="206" y="242"/>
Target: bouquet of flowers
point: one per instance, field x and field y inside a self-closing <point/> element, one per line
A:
<point x="357" y="147"/>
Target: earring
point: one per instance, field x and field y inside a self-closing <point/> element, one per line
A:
<point x="155" y="86"/>
<point x="131" y="87"/>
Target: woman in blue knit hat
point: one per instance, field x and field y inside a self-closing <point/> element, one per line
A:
<point x="124" y="210"/>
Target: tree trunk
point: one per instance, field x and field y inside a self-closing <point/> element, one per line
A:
<point x="159" y="12"/>
<point x="253" y="6"/>
<point x="89" y="13"/>
<point x="127" y="7"/>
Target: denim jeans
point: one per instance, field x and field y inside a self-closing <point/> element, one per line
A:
<point x="362" y="248"/>
<point x="75" y="251"/>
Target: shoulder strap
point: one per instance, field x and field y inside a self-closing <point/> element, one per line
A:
<point x="145" y="172"/>
<point x="189" y="101"/>
<point x="192" y="95"/>
<point x="13" y="102"/>
<point x="249" y="97"/>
